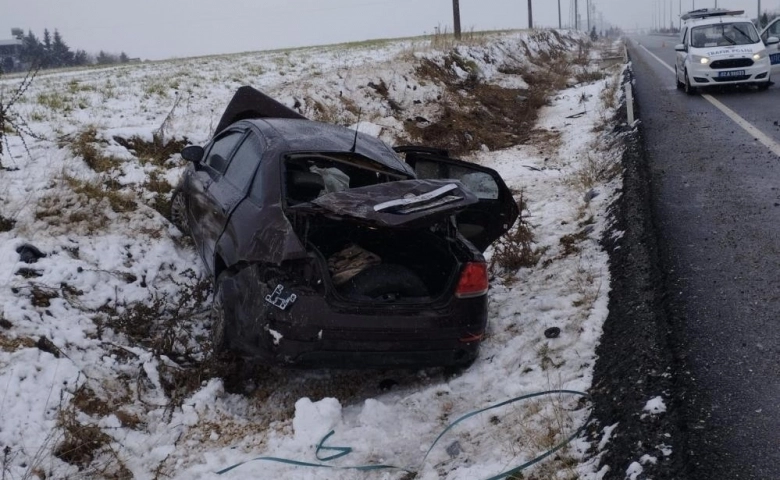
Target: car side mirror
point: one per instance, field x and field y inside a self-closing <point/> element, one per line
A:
<point x="193" y="153"/>
<point x="772" y="41"/>
<point x="680" y="48"/>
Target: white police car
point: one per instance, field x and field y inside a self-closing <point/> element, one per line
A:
<point x="721" y="47"/>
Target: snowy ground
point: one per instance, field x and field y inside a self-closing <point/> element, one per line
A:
<point x="102" y="341"/>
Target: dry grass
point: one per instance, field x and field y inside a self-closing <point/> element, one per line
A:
<point x="472" y="113"/>
<point x="164" y="326"/>
<point x="84" y="146"/>
<point x="570" y="243"/>
<point x="74" y="204"/>
<point x="608" y="96"/>
<point x="89" y="448"/>
<point x="97" y="192"/>
<point x="158" y="151"/>
<point x="596" y="168"/>
<point x="516" y="250"/>
<point x="9" y="344"/>
<point x="534" y="428"/>
<point x="6" y="224"/>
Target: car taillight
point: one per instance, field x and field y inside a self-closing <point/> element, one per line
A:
<point x="473" y="280"/>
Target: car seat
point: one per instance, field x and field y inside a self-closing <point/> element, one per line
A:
<point x="303" y="186"/>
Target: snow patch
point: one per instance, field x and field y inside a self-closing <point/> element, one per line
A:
<point x="655" y="406"/>
<point x="313" y="420"/>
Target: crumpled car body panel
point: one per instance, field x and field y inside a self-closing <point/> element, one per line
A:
<point x="269" y="250"/>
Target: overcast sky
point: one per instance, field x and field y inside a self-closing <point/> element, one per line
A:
<point x="156" y="29"/>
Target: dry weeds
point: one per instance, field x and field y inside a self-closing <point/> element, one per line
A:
<point x="84" y="146"/>
<point x="516" y="250"/>
<point x="157" y="151"/>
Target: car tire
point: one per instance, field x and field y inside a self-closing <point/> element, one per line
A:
<point x="680" y="85"/>
<point x="178" y="212"/>
<point x="218" y="324"/>
<point x="689" y="89"/>
<point x="762" y="87"/>
<point x="386" y="280"/>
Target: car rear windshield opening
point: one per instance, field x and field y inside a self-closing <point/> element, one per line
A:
<point x="310" y="175"/>
<point x="724" y="35"/>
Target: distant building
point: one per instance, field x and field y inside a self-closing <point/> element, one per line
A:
<point x="10" y="54"/>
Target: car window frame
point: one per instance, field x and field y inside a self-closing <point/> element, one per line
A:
<point x="213" y="172"/>
<point x="250" y="180"/>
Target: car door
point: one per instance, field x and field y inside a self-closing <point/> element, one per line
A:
<point x="681" y="56"/>
<point x="231" y="189"/>
<point x="483" y="222"/>
<point x="207" y="201"/>
<point x="773" y="30"/>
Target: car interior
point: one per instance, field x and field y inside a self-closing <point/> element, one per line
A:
<point x="308" y="176"/>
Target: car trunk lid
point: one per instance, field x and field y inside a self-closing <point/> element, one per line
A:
<point x="399" y="204"/>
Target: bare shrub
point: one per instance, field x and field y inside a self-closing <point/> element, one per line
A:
<point x="11" y="121"/>
<point x="88" y="447"/>
<point x="608" y="96"/>
<point x="80" y="442"/>
<point x="163" y="324"/>
<point x="516" y="250"/>
<point x="589" y="76"/>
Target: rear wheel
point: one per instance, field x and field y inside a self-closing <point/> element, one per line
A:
<point x="179" y="212"/>
<point x="218" y="339"/>
<point x="689" y="89"/>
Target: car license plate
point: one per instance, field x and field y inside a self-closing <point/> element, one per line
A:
<point x="774" y="58"/>
<point x="732" y="73"/>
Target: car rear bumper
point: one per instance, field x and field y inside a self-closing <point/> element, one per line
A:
<point x="314" y="331"/>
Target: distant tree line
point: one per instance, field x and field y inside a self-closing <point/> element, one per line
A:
<point x="52" y="52"/>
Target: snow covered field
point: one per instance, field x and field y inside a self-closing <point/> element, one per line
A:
<point x="104" y="357"/>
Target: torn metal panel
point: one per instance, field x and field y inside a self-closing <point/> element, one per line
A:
<point x="362" y="203"/>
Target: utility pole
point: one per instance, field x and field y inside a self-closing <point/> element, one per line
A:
<point x="560" y="23"/>
<point x="530" y="15"/>
<point x="587" y="6"/>
<point x="456" y="13"/>
<point x="576" y="15"/>
<point x="759" y="15"/>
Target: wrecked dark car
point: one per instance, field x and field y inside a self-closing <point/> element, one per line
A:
<point x="330" y="249"/>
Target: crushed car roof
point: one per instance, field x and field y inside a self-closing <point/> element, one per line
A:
<point x="288" y="131"/>
<point x="293" y="136"/>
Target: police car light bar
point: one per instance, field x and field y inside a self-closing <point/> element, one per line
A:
<point x="710" y="12"/>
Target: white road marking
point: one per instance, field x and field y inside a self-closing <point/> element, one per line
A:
<point x="763" y="138"/>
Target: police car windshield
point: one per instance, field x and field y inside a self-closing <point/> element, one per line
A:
<point x="724" y="34"/>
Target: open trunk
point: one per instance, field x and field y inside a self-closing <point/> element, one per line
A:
<point x="383" y="265"/>
<point x="380" y="238"/>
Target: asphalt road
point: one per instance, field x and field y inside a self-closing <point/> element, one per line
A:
<point x="716" y="207"/>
